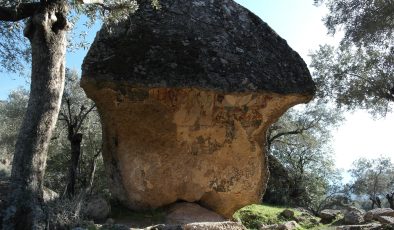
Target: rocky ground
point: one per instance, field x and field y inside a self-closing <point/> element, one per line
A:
<point x="192" y="216"/>
<point x="261" y="217"/>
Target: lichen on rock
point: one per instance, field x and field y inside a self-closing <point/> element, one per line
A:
<point x="185" y="95"/>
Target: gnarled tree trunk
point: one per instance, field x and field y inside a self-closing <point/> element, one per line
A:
<point x="390" y="199"/>
<point x="46" y="31"/>
<point x="75" y="141"/>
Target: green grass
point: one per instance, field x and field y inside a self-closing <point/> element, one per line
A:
<point x="253" y="216"/>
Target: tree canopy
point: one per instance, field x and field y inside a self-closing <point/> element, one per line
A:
<point x="373" y="178"/>
<point x="359" y="73"/>
<point x="46" y="25"/>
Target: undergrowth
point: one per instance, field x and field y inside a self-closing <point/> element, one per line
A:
<point x="254" y="216"/>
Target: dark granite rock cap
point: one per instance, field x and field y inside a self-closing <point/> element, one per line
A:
<point x="210" y="44"/>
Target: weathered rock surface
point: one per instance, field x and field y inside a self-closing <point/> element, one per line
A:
<point x="228" y="225"/>
<point x="225" y="225"/>
<point x="97" y="208"/>
<point x="287" y="213"/>
<point x="185" y="213"/>
<point x="375" y="213"/>
<point x="372" y="226"/>
<point x="386" y="220"/>
<point x="354" y="216"/>
<point x="185" y="95"/>
<point x="328" y="215"/>
<point x="290" y="225"/>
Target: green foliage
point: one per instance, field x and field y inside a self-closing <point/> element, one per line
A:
<point x="359" y="73"/>
<point x="300" y="143"/>
<point x="372" y="177"/>
<point x="59" y="149"/>
<point x="364" y="22"/>
<point x="5" y="170"/>
<point x="65" y="213"/>
<point x="15" y="58"/>
<point x="254" y="216"/>
<point x="355" y="77"/>
<point x="11" y="115"/>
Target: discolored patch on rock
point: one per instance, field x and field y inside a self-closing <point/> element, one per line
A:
<point x="185" y="96"/>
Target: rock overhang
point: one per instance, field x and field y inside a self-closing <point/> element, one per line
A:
<point x="179" y="47"/>
<point x="185" y="95"/>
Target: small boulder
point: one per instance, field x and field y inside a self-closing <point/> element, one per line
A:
<point x="185" y="213"/>
<point x="354" y="216"/>
<point x="291" y="225"/>
<point x="50" y="195"/>
<point x="372" y="226"/>
<point x="328" y="215"/>
<point x="97" y="208"/>
<point x="165" y="227"/>
<point x="375" y="213"/>
<point x="385" y="219"/>
<point x="114" y="227"/>
<point x="287" y="213"/>
<point x="227" y="225"/>
<point x="269" y="227"/>
<point x="110" y="221"/>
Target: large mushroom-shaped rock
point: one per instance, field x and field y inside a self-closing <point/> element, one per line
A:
<point x="185" y="95"/>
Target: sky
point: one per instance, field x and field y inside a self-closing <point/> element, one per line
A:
<point x="300" y="24"/>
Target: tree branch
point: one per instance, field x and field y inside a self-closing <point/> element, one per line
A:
<point x="82" y="118"/>
<point x="18" y="12"/>
<point x="293" y="132"/>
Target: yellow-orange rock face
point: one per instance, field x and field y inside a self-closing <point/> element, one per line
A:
<point x="163" y="145"/>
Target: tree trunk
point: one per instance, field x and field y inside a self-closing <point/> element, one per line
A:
<point x="46" y="31"/>
<point x="378" y="203"/>
<point x="390" y="199"/>
<point x="75" y="142"/>
<point x="375" y="201"/>
<point x="92" y="171"/>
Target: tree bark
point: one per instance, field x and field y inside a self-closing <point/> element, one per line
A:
<point x="390" y="199"/>
<point x="46" y="30"/>
<point x="75" y="142"/>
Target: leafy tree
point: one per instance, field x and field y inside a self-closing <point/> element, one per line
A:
<point x="373" y="178"/>
<point x="354" y="78"/>
<point x="299" y="143"/>
<point x="390" y="199"/>
<point x="46" y="27"/>
<point x="75" y="109"/>
<point x="359" y="73"/>
<point x="77" y="142"/>
<point x="11" y="115"/>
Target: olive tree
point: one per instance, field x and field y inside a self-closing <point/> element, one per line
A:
<point x="300" y="159"/>
<point x="11" y="115"/>
<point x="358" y="73"/>
<point x="45" y="24"/>
<point x="373" y="178"/>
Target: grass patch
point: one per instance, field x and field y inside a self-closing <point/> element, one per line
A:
<point x="254" y="216"/>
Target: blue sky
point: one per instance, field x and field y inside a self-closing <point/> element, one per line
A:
<point x="294" y="20"/>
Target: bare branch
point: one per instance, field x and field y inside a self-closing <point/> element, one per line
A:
<point x="18" y="12"/>
<point x="83" y="117"/>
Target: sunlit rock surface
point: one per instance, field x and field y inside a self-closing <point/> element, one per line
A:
<point x="185" y="95"/>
